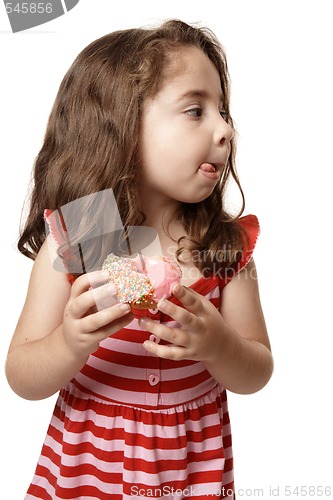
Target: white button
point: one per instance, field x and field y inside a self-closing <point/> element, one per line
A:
<point x="155" y="339"/>
<point x="153" y="379"/>
<point x="153" y="311"/>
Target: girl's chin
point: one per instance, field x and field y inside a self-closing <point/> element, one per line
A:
<point x="197" y="198"/>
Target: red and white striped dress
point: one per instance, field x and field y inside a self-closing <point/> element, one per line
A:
<point x="132" y="424"/>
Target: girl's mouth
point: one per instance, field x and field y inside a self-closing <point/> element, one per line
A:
<point x="209" y="171"/>
<point x="207" y="167"/>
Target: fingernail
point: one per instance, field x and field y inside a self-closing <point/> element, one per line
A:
<point x="176" y="288"/>
<point x="162" y="304"/>
<point x="111" y="289"/>
<point x="105" y="273"/>
<point x="143" y="321"/>
<point x="125" y="307"/>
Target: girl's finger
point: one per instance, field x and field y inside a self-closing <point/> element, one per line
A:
<point x="190" y="299"/>
<point x="173" y="335"/>
<point x="103" y="318"/>
<point x="165" y="351"/>
<point x="89" y="280"/>
<point x="102" y="297"/>
<point x="184" y="317"/>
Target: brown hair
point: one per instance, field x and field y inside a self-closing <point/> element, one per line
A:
<point x="91" y="140"/>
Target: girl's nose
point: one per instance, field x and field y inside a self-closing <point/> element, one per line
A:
<point x="223" y="131"/>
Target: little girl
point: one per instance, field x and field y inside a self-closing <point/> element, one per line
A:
<point x="142" y="409"/>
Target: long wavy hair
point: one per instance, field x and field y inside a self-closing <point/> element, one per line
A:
<point x="91" y="142"/>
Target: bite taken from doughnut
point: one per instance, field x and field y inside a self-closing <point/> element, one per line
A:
<point x="142" y="281"/>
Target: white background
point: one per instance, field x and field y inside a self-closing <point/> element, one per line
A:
<point x="280" y="60"/>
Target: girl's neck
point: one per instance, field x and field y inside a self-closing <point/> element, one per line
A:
<point x="169" y="227"/>
<point x="167" y="224"/>
<point x="160" y="215"/>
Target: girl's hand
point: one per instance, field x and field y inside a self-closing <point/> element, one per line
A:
<point x="200" y="326"/>
<point x="92" y="313"/>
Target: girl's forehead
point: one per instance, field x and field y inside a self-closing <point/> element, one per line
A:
<point x="190" y="67"/>
<point x="184" y="59"/>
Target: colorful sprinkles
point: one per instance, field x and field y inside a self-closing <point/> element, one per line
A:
<point x="132" y="286"/>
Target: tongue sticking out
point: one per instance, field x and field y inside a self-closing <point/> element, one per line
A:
<point x="207" y="167"/>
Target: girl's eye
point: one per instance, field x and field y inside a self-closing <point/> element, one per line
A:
<point x="196" y="112"/>
<point x="224" y="115"/>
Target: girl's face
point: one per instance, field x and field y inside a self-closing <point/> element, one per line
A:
<point x="185" y="141"/>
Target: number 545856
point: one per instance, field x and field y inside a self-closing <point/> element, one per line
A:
<point x="31" y="8"/>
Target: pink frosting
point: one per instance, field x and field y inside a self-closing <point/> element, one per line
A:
<point x="162" y="271"/>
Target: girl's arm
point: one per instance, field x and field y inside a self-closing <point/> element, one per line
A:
<point x="242" y="358"/>
<point x="233" y="343"/>
<point x="59" y="328"/>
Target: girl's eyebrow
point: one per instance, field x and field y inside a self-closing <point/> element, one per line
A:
<point x="198" y="93"/>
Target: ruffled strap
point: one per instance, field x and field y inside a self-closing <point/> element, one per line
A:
<point x="251" y="226"/>
<point x="58" y="231"/>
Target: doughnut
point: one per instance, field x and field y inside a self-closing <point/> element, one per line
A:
<point x="142" y="281"/>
